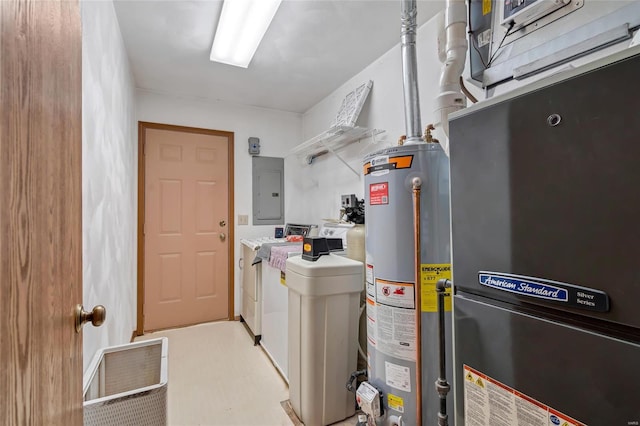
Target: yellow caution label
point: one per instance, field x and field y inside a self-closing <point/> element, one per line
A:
<point x="565" y="424"/>
<point x="469" y="377"/>
<point x="283" y="278"/>
<point x="486" y="7"/>
<point x="395" y="403"/>
<point x="479" y="382"/>
<point x="430" y="274"/>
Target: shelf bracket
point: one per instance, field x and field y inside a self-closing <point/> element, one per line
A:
<point x="343" y="161"/>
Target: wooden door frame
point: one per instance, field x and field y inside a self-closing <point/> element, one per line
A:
<point x="142" y="127"/>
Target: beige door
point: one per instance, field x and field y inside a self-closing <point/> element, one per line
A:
<point x="186" y="226"/>
<point x="40" y="212"/>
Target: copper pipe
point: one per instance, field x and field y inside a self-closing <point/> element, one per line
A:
<point x="417" y="185"/>
<point x="466" y="91"/>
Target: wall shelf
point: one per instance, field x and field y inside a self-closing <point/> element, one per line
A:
<point x="332" y="141"/>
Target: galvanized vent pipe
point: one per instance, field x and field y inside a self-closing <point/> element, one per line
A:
<point x="410" y="72"/>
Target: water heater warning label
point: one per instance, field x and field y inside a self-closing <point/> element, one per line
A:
<point x="395" y="402"/>
<point x="372" y="326"/>
<point x="394" y="293"/>
<point x="379" y="193"/>
<point x="371" y="288"/>
<point x="488" y="402"/>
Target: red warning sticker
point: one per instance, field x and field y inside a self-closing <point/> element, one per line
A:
<point x="378" y="193"/>
<point x="394" y="293"/>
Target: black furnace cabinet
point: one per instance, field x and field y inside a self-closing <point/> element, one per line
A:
<point x="545" y="202"/>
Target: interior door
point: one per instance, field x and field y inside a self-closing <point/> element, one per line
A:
<point x="40" y="212"/>
<point x="186" y="226"/>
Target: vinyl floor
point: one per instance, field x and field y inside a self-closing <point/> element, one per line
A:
<point x="217" y="377"/>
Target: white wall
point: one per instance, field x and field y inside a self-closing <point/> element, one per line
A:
<point x="278" y="132"/>
<point x="322" y="183"/>
<point x="109" y="179"/>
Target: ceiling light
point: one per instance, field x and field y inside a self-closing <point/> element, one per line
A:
<point x="240" y="29"/>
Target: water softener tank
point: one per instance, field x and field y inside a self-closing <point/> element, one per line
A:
<point x="390" y="276"/>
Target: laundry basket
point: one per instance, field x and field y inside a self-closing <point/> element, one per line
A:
<point x="127" y="385"/>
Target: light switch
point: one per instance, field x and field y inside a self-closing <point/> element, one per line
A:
<point x="243" y="219"/>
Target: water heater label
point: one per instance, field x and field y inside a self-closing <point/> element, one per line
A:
<point x="397" y="376"/>
<point x="372" y="326"/>
<point x="487" y="400"/>
<point x="396" y="332"/>
<point x="394" y="402"/>
<point x="431" y="273"/>
<point x="371" y="289"/>
<point x="383" y="164"/>
<point x="379" y="193"/>
<point x="569" y="294"/>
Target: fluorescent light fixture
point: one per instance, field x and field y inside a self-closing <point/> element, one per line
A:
<point x="240" y="30"/>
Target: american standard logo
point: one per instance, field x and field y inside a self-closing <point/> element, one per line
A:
<point x="527" y="288"/>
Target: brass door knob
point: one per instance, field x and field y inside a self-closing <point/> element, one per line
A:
<point x="97" y="316"/>
<point x="222" y="236"/>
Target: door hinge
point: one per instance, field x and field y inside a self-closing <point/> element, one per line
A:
<point x="144" y="148"/>
<point x="144" y="228"/>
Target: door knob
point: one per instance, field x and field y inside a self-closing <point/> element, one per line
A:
<point x="222" y="236"/>
<point x="97" y="316"/>
<point x="222" y="223"/>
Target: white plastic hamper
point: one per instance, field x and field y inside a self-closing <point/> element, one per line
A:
<point x="127" y="385"/>
<point x="324" y="299"/>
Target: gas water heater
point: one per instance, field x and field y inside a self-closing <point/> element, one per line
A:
<point x="392" y="177"/>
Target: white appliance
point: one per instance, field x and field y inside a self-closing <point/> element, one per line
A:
<point x="335" y="230"/>
<point x="324" y="300"/>
<point x="275" y="318"/>
<point x="275" y="304"/>
<point x="251" y="280"/>
<point x="273" y="301"/>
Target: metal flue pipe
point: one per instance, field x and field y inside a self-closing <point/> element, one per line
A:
<point x="410" y="72"/>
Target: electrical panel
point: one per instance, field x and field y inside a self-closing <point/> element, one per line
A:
<point x="268" y="191"/>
